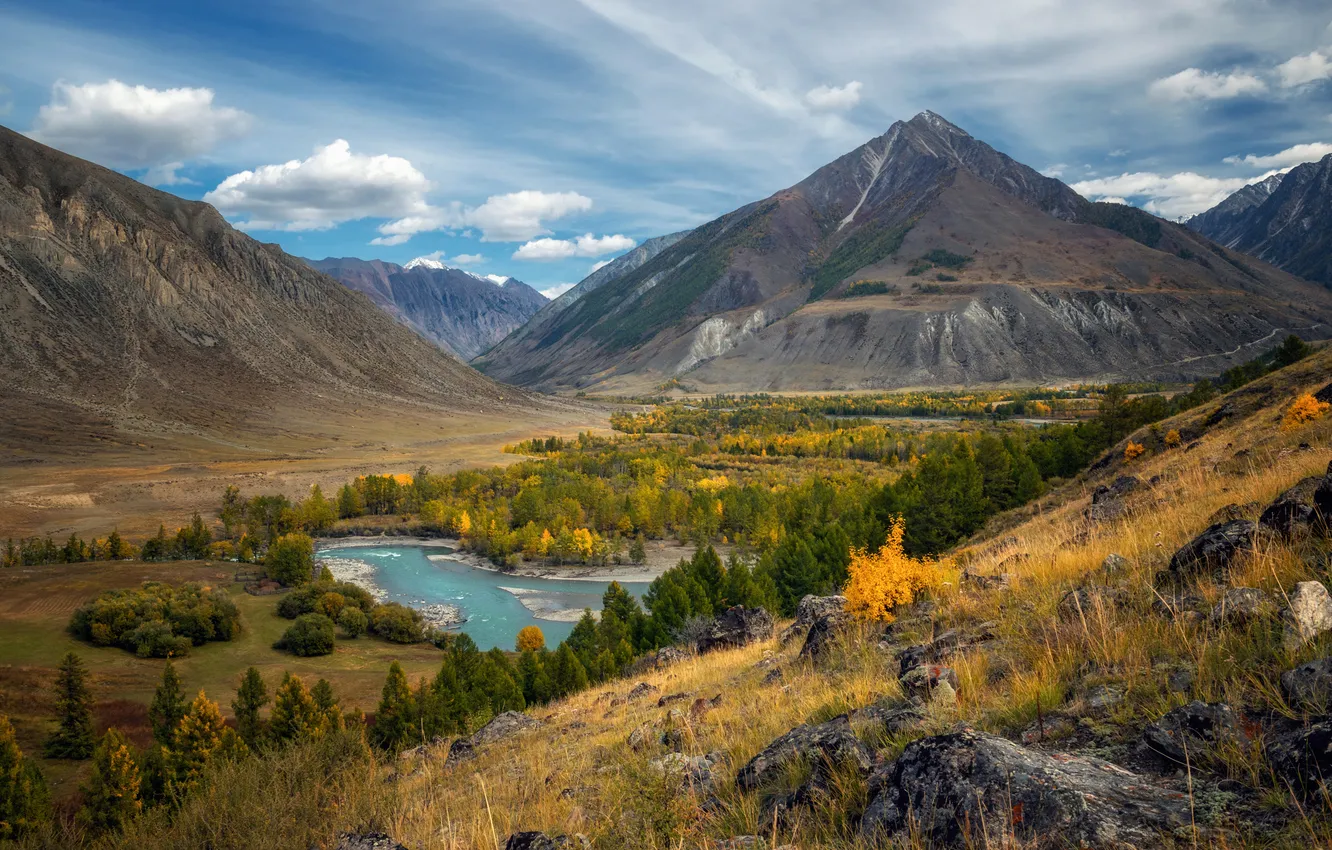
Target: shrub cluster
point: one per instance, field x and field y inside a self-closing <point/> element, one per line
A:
<point x="157" y="620"/>
<point x="311" y="634"/>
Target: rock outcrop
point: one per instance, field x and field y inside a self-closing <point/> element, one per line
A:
<point x="1308" y="614"/>
<point x="1191" y="735"/>
<point x="1213" y="551"/>
<point x="738" y="626"/>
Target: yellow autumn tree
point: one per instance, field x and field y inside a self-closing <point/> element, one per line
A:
<point x="882" y="580"/>
<point x="1134" y="450"/>
<point x="1173" y="439"/>
<point x="464" y="524"/>
<point x="1302" y="411"/>
<point x="530" y="639"/>
<point x="547" y="541"/>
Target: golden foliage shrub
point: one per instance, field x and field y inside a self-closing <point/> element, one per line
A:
<point x="530" y="639"/>
<point x="1134" y="450"/>
<point x="881" y="581"/>
<point x="1173" y="439"/>
<point x="1302" y="411"/>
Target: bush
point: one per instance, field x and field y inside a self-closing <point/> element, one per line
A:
<point x="880" y="582"/>
<point x="1134" y="451"/>
<point x="1302" y="411"/>
<point x="353" y="622"/>
<point x="157" y="620"/>
<point x="290" y="560"/>
<point x="309" y="599"/>
<point x="311" y="634"/>
<point x="397" y="623"/>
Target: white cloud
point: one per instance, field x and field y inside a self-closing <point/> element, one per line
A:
<point x="1118" y="152"/>
<point x="1299" y="70"/>
<point x="598" y="265"/>
<point x="166" y="175"/>
<point x="468" y="259"/>
<point x="1194" y="84"/>
<point x="1168" y="195"/>
<point x="557" y="290"/>
<point x="1056" y="170"/>
<point x="825" y="98"/>
<point x="1288" y="158"/>
<point x="331" y="186"/>
<point x="498" y="279"/>
<point x="586" y="245"/>
<point x="514" y="217"/>
<point x="132" y="127"/>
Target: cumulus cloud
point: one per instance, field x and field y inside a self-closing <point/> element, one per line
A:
<point x="514" y="217"/>
<point x="586" y="245"/>
<point x="133" y="127"/>
<point x="557" y="290"/>
<point x="1168" y="195"/>
<point x="1056" y="170"/>
<point x="599" y="265"/>
<point x="834" y="99"/>
<point x="331" y="186"/>
<point x="1300" y="70"/>
<point x="166" y="174"/>
<point x="1195" y="84"/>
<point x="1288" y="158"/>
<point x="467" y="259"/>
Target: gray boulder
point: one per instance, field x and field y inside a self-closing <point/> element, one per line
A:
<point x="810" y="610"/>
<point x="367" y="841"/>
<point x="1108" y="502"/>
<point x="461" y="750"/>
<point x="1089" y="602"/>
<point x="1309" y="614"/>
<point x="1240" y="606"/>
<point x="695" y="773"/>
<point x="1309" y="686"/>
<point x="1293" y="512"/>
<point x="971" y="789"/>
<point x="823" y="634"/>
<point x="738" y="626"/>
<point x="1301" y="756"/>
<point x="823" y="747"/>
<point x="542" y="841"/>
<point x="1114" y="564"/>
<point x="1190" y="735"/>
<point x="504" y="725"/>
<point x="1214" y="550"/>
<point x="930" y="682"/>
<point x="642" y="689"/>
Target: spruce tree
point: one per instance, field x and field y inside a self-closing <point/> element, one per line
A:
<point x="111" y="798"/>
<point x="73" y="739"/>
<point x="327" y="705"/>
<point x="24" y="800"/>
<point x="168" y="706"/>
<point x="197" y="740"/>
<point x="250" y="698"/>
<point x="393" y="718"/>
<point x="295" y="715"/>
<point x="568" y="675"/>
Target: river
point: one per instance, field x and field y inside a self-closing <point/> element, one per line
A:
<point x="409" y="575"/>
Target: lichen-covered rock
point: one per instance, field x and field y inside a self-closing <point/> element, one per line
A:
<point x="1108" y="502"/>
<point x="823" y="746"/>
<point x="1240" y="606"/>
<point x="1309" y="614"/>
<point x="981" y="581"/>
<point x="1234" y="511"/>
<point x="1088" y="602"/>
<point x="1293" y="512"/>
<point x="367" y="841"/>
<point x="642" y="737"/>
<point x="945" y="645"/>
<point x="1309" y="686"/>
<point x="670" y="698"/>
<point x="642" y="689"/>
<point x="542" y="841"/>
<point x="930" y="682"/>
<point x="824" y="632"/>
<point x="810" y="610"/>
<point x="506" y="724"/>
<point x="694" y="772"/>
<point x="738" y="626"/>
<point x="1191" y="735"/>
<point x="1114" y="564"/>
<point x="1301" y="756"/>
<point x="659" y="660"/>
<point x="970" y="789"/>
<point x="461" y="750"/>
<point x="1213" y="551"/>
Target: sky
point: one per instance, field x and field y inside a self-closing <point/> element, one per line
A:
<point x="539" y="138"/>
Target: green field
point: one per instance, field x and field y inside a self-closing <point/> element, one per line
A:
<point x="36" y="604"/>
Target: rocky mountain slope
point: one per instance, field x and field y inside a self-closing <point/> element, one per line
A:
<point x="1285" y="221"/>
<point x="128" y="311"/>
<point x="925" y="257"/>
<point x="461" y="312"/>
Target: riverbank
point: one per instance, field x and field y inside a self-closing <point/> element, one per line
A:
<point x="440" y="615"/>
<point x="546" y="606"/>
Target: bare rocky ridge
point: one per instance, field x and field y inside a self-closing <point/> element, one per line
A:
<point x="1290" y="226"/>
<point x="980" y="270"/>
<point x="126" y="310"/>
<point x="460" y="312"/>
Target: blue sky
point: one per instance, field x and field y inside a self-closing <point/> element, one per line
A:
<point x="535" y="138"/>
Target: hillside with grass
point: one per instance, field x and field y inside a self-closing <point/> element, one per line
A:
<point x="1136" y="658"/>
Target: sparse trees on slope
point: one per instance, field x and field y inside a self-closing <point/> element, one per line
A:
<point x="111" y="798"/>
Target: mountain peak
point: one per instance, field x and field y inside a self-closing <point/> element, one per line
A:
<point x="425" y="263"/>
<point x="936" y="122"/>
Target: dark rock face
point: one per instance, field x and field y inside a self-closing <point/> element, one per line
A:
<point x="642" y="689"/>
<point x="1190" y="735"/>
<point x="1108" y="503"/>
<point x="1309" y="686"/>
<point x="823" y="634"/>
<point x="810" y="610"/>
<point x="739" y="626"/>
<point x="541" y="841"/>
<point x="504" y="725"/>
<point x="1293" y="511"/>
<point x="1302" y="756"/>
<point x="972" y="789"/>
<point x="1240" y="606"/>
<point x="1214" y="549"/>
<point x="367" y="841"/>
<point x="982" y="581"/>
<point x="824" y="746"/>
<point x="461" y="750"/>
<point x="944" y="646"/>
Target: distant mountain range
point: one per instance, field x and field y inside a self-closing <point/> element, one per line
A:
<point x="129" y="316"/>
<point x="923" y="258"/>
<point x="461" y="312"/>
<point x="1285" y="220"/>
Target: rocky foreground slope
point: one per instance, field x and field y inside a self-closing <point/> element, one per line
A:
<point x="1285" y="220"/>
<point x="923" y="258"/>
<point x="1142" y="660"/>
<point x="460" y="312"/>
<point x="129" y="314"/>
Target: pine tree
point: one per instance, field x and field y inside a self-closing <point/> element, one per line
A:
<point x="168" y="706"/>
<point x="295" y="715"/>
<point x="197" y="741"/>
<point x="533" y="677"/>
<point x="73" y="739"/>
<point x="111" y="798"/>
<point x="393" y="718"/>
<point x="24" y="800"/>
<point x="250" y="698"/>
<point x="568" y="675"/>
<point x="327" y="705"/>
